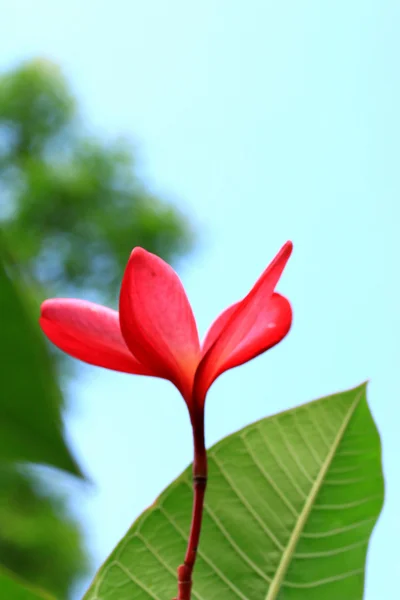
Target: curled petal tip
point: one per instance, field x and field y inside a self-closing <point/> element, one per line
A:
<point x="285" y="252"/>
<point x="139" y="251"/>
<point x="288" y="247"/>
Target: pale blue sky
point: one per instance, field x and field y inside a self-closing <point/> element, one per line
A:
<point x="266" y="121"/>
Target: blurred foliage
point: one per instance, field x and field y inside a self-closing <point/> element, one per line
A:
<point x="72" y="207"/>
<point x="39" y="541"/>
<point x="14" y="588"/>
<point x="30" y="419"/>
<point x="38" y="538"/>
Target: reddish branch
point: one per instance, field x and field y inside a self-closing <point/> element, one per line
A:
<point x="185" y="570"/>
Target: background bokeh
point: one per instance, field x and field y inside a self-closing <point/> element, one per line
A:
<point x="260" y="122"/>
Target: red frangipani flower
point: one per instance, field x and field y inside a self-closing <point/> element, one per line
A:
<point x="155" y="332"/>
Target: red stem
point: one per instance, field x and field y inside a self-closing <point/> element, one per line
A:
<point x="199" y="487"/>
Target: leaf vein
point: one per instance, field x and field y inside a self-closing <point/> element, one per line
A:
<point x="209" y="562"/>
<point x="291" y="451"/>
<point x="272" y="484"/>
<point x="308" y="506"/>
<point x="281" y="464"/>
<point x="246" y="504"/>
<point x="136" y="581"/>
<point x="320" y="582"/>
<point x="233" y="544"/>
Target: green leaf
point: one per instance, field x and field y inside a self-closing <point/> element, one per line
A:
<point x="290" y="507"/>
<point x="30" y="400"/>
<point x="11" y="589"/>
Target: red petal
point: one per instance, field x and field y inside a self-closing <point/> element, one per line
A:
<point x="248" y="328"/>
<point x="217" y="327"/>
<point x="157" y="321"/>
<point x="89" y="332"/>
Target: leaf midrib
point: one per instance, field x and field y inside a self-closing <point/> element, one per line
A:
<point x="276" y="582"/>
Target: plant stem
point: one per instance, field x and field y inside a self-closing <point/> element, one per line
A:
<point x="199" y="487"/>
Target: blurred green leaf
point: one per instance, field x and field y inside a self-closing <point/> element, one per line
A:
<point x="13" y="589"/>
<point x="291" y="504"/>
<point x="74" y="206"/>
<point x="35" y="105"/>
<point x="39" y="539"/>
<point x="30" y="421"/>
